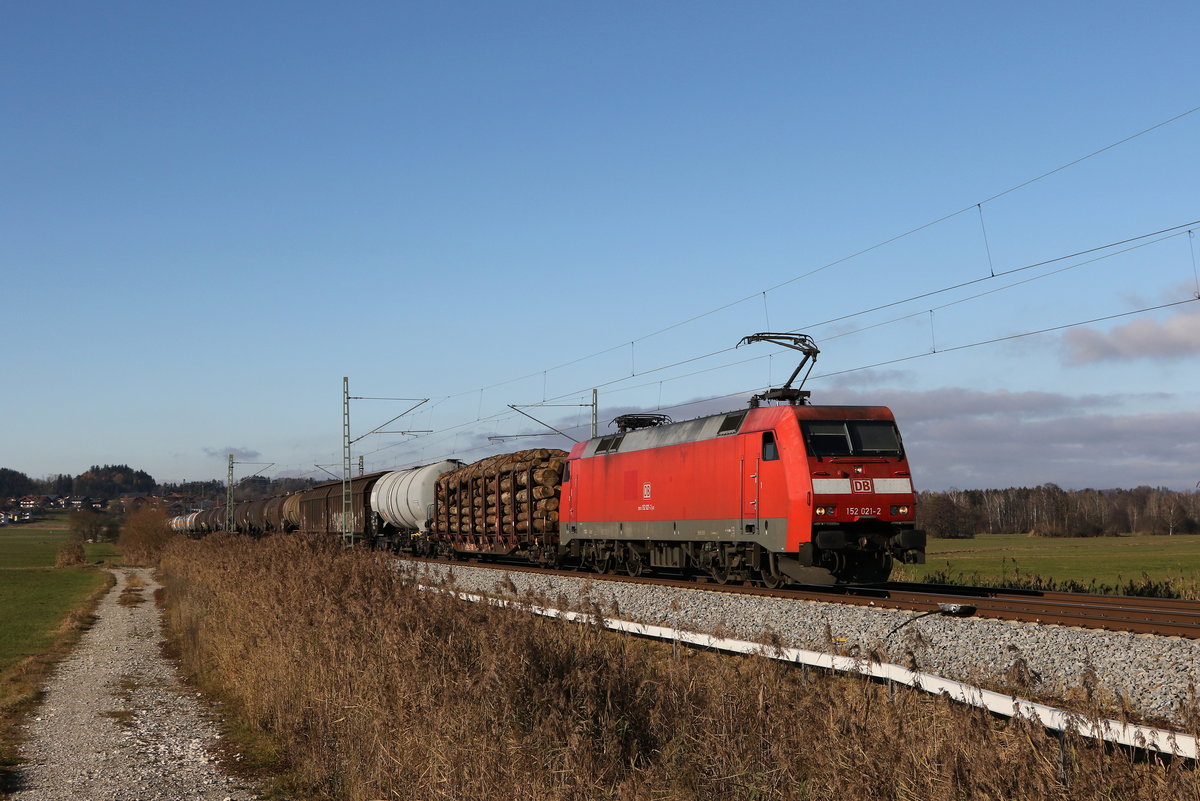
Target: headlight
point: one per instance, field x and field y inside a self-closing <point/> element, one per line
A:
<point x="825" y="511"/>
<point x="901" y="510"/>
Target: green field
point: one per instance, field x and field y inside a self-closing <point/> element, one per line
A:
<point x="35" y="597"/>
<point x="1105" y="560"/>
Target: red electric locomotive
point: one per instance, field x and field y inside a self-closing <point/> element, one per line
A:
<point x="791" y="493"/>
<point x="810" y="494"/>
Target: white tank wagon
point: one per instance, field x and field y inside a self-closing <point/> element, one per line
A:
<point x="403" y="499"/>
<point x="184" y="524"/>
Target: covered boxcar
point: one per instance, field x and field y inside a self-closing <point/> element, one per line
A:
<point x="321" y="506"/>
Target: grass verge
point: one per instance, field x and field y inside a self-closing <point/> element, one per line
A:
<point x="43" y="611"/>
<point x="31" y="649"/>
<point x="369" y="689"/>
<point x="1133" y="565"/>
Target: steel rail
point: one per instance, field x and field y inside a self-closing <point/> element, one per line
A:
<point x="1167" y="617"/>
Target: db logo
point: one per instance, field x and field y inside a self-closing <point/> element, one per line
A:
<point x="646" y="491"/>
<point x="861" y="485"/>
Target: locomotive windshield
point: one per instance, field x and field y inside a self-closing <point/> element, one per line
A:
<point x="852" y="438"/>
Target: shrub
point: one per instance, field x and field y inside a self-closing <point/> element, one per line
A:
<point x="70" y="555"/>
<point x="87" y="524"/>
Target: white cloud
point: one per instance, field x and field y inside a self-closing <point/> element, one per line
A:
<point x="1078" y="451"/>
<point x="238" y="453"/>
<point x="1177" y="337"/>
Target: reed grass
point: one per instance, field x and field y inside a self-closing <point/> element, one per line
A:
<point x="374" y="689"/>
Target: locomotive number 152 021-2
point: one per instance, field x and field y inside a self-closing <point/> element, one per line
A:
<point x="864" y="511"/>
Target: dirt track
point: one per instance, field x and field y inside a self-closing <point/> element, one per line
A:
<point x="116" y="723"/>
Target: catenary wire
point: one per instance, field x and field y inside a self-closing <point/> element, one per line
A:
<point x="504" y="414"/>
<point x="844" y="259"/>
<point x="911" y="357"/>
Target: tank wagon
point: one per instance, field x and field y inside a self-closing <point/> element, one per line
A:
<point x="185" y="524"/>
<point x="789" y="493"/>
<point x="404" y="502"/>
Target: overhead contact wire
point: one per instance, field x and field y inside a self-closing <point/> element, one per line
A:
<point x="858" y="253"/>
<point x="934" y="349"/>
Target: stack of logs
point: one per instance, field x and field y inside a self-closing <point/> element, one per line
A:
<point x="518" y="491"/>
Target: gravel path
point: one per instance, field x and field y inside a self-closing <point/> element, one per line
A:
<point x="116" y="722"/>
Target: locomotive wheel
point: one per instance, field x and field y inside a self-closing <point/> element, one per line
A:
<point x="773" y="581"/>
<point x="600" y="560"/>
<point x="633" y="563"/>
<point x="719" y="574"/>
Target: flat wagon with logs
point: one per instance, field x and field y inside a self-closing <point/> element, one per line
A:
<point x="500" y="506"/>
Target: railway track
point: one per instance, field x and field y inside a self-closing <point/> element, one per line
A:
<point x="1159" y="616"/>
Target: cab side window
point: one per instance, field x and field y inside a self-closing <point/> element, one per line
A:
<point x="770" y="450"/>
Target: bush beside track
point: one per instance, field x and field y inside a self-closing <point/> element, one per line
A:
<point x="373" y="689"/>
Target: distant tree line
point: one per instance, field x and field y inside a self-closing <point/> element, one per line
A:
<point x="112" y="481"/>
<point x="248" y="489"/>
<point x="1050" y="511"/>
<point x="109" y="482"/>
<point x="15" y="485"/>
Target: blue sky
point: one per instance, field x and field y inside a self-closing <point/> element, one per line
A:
<point x="211" y="212"/>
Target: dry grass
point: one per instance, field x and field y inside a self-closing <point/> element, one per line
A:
<point x="372" y="689"/>
<point x="144" y="534"/>
<point x="131" y="596"/>
<point x="70" y="555"/>
<point x="132" y="593"/>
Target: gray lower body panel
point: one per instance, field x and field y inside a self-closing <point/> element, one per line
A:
<point x="770" y="533"/>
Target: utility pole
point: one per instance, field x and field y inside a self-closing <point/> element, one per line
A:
<point x="229" y="489"/>
<point x="347" y="529"/>
<point x="347" y="526"/>
<point x="517" y="407"/>
<point x="229" y="497"/>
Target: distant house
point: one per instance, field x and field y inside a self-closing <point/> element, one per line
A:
<point x="131" y="503"/>
<point x="36" y="502"/>
<point x="79" y="502"/>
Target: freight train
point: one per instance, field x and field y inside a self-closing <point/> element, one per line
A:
<point x="779" y="494"/>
